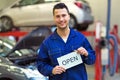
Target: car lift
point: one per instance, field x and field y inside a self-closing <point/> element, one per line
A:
<point x="16" y="33"/>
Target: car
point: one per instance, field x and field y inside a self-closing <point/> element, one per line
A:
<point x="17" y="56"/>
<point x="23" y="54"/>
<point x="24" y="51"/>
<point x="30" y="13"/>
<point x="10" y="71"/>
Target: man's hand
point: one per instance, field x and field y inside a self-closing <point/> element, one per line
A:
<point x="58" y="70"/>
<point x="82" y="51"/>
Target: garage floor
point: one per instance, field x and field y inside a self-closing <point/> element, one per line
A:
<point x="90" y="70"/>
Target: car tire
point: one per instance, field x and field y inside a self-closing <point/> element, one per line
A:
<point x="6" y="24"/>
<point x="72" y="21"/>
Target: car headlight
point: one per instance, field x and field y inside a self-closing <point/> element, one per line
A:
<point x="34" y="74"/>
<point x="15" y="69"/>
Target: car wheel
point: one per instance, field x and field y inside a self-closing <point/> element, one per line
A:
<point x="72" y="21"/>
<point x="6" y="24"/>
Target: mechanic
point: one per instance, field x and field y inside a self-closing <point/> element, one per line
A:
<point x="62" y="41"/>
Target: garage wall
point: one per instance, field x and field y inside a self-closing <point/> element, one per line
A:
<point x="99" y="10"/>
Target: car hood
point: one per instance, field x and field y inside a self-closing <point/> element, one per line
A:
<point x="32" y="39"/>
<point x="4" y="4"/>
<point x="28" y="42"/>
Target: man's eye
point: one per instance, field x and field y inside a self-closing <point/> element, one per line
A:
<point x="63" y="15"/>
<point x="57" y="16"/>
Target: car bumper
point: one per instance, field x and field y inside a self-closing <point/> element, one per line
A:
<point x="85" y="18"/>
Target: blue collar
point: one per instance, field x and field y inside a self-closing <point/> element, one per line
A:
<point x="55" y="34"/>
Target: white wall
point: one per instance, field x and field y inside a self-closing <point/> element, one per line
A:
<point x="99" y="11"/>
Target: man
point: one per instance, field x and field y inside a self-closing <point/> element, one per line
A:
<point x="63" y="41"/>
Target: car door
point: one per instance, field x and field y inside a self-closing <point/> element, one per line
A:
<point x="46" y="14"/>
<point x="27" y="15"/>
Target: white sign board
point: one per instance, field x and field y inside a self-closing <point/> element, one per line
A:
<point x="70" y="60"/>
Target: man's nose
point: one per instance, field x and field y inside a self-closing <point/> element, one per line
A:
<point x="61" y="18"/>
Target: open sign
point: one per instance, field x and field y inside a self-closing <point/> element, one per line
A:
<point x="70" y="60"/>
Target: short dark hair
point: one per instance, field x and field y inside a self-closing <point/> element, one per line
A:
<point x="60" y="6"/>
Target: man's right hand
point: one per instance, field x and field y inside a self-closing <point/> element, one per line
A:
<point x="58" y="70"/>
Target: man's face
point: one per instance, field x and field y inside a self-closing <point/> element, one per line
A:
<point x="61" y="18"/>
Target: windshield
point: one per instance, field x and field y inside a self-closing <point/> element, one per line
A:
<point x="5" y="46"/>
<point x="7" y="3"/>
<point x="22" y="52"/>
<point x="27" y="2"/>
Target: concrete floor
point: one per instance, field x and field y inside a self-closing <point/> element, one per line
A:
<point x="91" y="74"/>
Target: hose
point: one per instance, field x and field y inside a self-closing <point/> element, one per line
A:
<point x="113" y="67"/>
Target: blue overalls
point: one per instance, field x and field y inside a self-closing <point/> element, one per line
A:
<point x="54" y="47"/>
